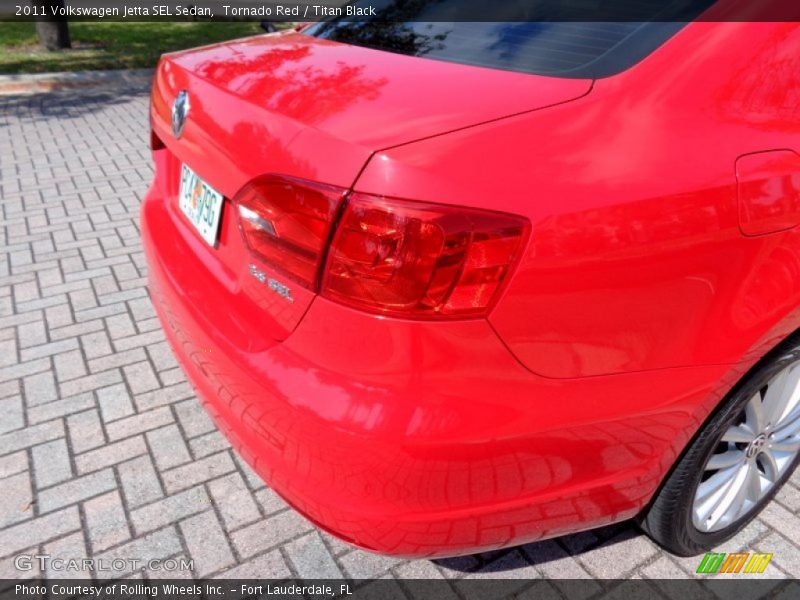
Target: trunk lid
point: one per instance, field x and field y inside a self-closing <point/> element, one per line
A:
<point x="368" y="98"/>
<point x="311" y="109"/>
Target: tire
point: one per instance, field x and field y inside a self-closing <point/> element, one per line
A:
<point x="679" y="518"/>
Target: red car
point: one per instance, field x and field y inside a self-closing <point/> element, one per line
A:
<point x="449" y="287"/>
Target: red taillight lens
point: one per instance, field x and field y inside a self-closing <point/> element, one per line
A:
<point x="155" y="142"/>
<point x="421" y="260"/>
<point x="287" y="222"/>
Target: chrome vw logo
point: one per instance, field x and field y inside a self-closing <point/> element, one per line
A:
<point x="180" y="110"/>
<point x="756" y="446"/>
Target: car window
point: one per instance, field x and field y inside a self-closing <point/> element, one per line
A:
<point x="542" y="37"/>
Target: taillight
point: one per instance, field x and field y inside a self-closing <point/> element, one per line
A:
<point x="287" y="222"/>
<point x="419" y="260"/>
<point x="155" y="142"/>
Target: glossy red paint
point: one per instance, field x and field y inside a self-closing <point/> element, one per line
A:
<point x="637" y="303"/>
<point x="768" y="192"/>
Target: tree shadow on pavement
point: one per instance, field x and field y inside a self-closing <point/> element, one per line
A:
<point x="65" y="104"/>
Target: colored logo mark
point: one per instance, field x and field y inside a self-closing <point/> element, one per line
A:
<point x="737" y="562"/>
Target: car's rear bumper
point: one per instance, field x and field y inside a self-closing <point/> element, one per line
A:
<point x="416" y="438"/>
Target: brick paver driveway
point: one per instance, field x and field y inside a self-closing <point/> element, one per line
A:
<point x="104" y="450"/>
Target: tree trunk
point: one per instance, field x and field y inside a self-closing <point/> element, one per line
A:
<point x="53" y="31"/>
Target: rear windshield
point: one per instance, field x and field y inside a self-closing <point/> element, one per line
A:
<point x="544" y="37"/>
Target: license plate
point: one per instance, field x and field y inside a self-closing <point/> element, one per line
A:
<point x="201" y="204"/>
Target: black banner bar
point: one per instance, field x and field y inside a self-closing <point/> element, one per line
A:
<point x="405" y="10"/>
<point x="751" y="587"/>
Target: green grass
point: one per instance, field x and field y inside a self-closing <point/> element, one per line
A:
<point x="110" y="45"/>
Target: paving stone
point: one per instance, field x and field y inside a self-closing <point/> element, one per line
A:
<point x="78" y="329"/>
<point x="8" y="352"/>
<point x="139" y="481"/>
<point x="194" y="420"/>
<point x="613" y="558"/>
<point x="170" y="509"/>
<point x="60" y="408"/>
<point x="91" y="382"/>
<point x="10" y="388"/>
<point x="110" y="454"/>
<point x="786" y="555"/>
<point x="120" y="326"/>
<point x="116" y="360"/>
<point x="555" y="563"/>
<point x="81" y="299"/>
<point x="17" y="499"/>
<point x="311" y="559"/>
<point x="35" y="531"/>
<point x="141" y="377"/>
<point x="780" y="519"/>
<point x="161" y="355"/>
<point x="20" y="370"/>
<point x="138" y="341"/>
<point x="69" y="365"/>
<point x="49" y="349"/>
<point x="579" y="542"/>
<point x="421" y="569"/>
<point x="75" y="490"/>
<point x="51" y="463"/>
<point x="207" y="543"/>
<point x="198" y="471"/>
<point x="9" y="567"/>
<point x="338" y="547"/>
<point x="115" y="402"/>
<point x="85" y="431"/>
<point x="789" y="497"/>
<point x="168" y="447"/>
<point x="253" y="480"/>
<point x="509" y="565"/>
<point x="40" y="388"/>
<point x="266" y="566"/>
<point x="96" y="344"/>
<point x="662" y="571"/>
<point x="156" y="545"/>
<point x="208" y="443"/>
<point x="32" y="334"/>
<point x="268" y="533"/>
<point x="11" y="464"/>
<point x="171" y="393"/>
<point x="152" y="419"/>
<point x="172" y="377"/>
<point x="270" y="501"/>
<point x="105" y="521"/>
<point x="63" y="550"/>
<point x="234" y="501"/>
<point x="30" y="436"/>
<point x="13" y="415"/>
<point x="59" y="316"/>
<point x="359" y="565"/>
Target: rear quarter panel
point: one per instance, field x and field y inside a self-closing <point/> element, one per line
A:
<point x="636" y="259"/>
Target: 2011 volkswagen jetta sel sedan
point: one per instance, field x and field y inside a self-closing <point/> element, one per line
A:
<point x="452" y="286"/>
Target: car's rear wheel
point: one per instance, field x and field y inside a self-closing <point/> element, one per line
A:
<point x="736" y="463"/>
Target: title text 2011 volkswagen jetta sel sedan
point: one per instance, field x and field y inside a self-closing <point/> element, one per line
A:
<point x="449" y="287"/>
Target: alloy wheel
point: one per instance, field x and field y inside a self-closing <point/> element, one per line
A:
<point x="752" y="454"/>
